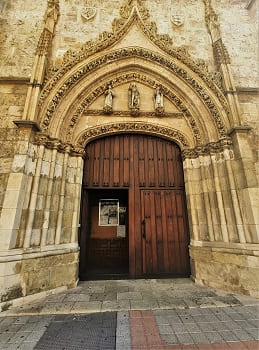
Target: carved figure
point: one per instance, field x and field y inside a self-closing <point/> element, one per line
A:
<point x="109" y="94"/>
<point x="134" y="97"/>
<point x="159" y="100"/>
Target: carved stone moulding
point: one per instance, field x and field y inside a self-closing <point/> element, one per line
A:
<point x="141" y="113"/>
<point x="54" y="143"/>
<point x="132" y="127"/>
<point x="148" y="56"/>
<point x="107" y="110"/>
<point x="126" y="78"/>
<point x="209" y="148"/>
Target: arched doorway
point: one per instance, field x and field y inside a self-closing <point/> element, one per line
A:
<point x="133" y="212"/>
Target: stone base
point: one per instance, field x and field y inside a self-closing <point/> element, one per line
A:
<point x="37" y="273"/>
<point x="233" y="271"/>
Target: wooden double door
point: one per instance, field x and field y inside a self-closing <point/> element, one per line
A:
<point x="145" y="174"/>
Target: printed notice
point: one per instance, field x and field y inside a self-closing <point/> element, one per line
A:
<point x="121" y="231"/>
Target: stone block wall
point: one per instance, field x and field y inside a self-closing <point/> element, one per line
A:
<point x="12" y="100"/>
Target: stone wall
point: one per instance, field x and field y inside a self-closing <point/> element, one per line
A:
<point x="12" y="99"/>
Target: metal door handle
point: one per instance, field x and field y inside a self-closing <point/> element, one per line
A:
<point x="143" y="229"/>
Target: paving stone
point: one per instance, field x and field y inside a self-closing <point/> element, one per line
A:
<point x="184" y="338"/>
<point x="129" y="296"/>
<point x="254" y="333"/>
<point x="213" y="337"/>
<point x="199" y="338"/>
<point x="228" y="335"/>
<point x="169" y="339"/>
<point x="165" y="329"/>
<point x="5" y="337"/>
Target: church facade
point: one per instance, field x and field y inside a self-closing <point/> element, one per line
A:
<point x="129" y="140"/>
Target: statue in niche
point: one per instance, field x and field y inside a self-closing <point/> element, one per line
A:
<point x="159" y="101"/>
<point x="109" y="94"/>
<point x="134" y="99"/>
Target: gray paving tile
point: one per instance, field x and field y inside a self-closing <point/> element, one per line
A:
<point x="228" y="335"/>
<point x="185" y="338"/>
<point x="5" y="337"/>
<point x="162" y="320"/>
<point x="178" y="328"/>
<point x="129" y="296"/>
<point x="165" y="329"/>
<point x="242" y="334"/>
<point x="199" y="338"/>
<point x="213" y="337"/>
<point x="170" y="339"/>
<point x="254" y="333"/>
<point x="192" y="327"/>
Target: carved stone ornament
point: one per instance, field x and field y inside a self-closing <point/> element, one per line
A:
<point x="177" y="19"/>
<point x="134" y="11"/>
<point x="209" y="148"/>
<point x="134" y="99"/>
<point x="89" y="13"/>
<point x="149" y="56"/>
<point x="121" y="79"/>
<point x="109" y="94"/>
<point x="159" y="101"/>
<point x="114" y="128"/>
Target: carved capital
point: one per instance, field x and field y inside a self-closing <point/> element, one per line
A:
<point x="207" y="149"/>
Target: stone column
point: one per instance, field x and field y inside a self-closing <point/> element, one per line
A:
<point x="62" y="197"/>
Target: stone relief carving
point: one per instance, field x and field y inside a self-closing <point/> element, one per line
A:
<point x="109" y="94"/>
<point x="134" y="99"/>
<point x="88" y="13"/>
<point x="147" y="55"/>
<point x="209" y="148"/>
<point x="177" y="19"/>
<point x="124" y="78"/>
<point x="50" y="20"/>
<point x="220" y="53"/>
<point x="127" y="113"/>
<point x="132" y="12"/>
<point x="112" y="128"/>
<point x="159" y="101"/>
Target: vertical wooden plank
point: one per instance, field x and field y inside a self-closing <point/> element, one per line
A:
<point x="171" y="253"/>
<point x="160" y="164"/>
<point x="148" y="229"/>
<point x="153" y="231"/>
<point x="121" y="162"/>
<point x="137" y="222"/>
<point x="116" y="162"/>
<point x="142" y="180"/>
<point x="130" y="173"/>
<point x="96" y="161"/>
<point x="127" y="161"/>
<point x="151" y="169"/>
<point x="175" y="243"/>
<point x="143" y="233"/>
<point x="165" y="229"/>
<point x="170" y="166"/>
<point x="159" y="252"/>
<point x="155" y="161"/>
<point x="106" y="162"/>
<point x="146" y="162"/>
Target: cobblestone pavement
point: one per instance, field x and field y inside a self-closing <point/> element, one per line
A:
<point x="134" y="314"/>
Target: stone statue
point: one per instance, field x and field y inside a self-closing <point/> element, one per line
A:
<point x="134" y="97"/>
<point x="108" y="100"/>
<point x="159" y="101"/>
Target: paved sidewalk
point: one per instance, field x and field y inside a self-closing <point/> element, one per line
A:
<point x="134" y="314"/>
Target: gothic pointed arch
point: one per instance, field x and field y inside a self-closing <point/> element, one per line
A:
<point x="187" y="83"/>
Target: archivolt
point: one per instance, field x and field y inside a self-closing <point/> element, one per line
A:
<point x="78" y="73"/>
<point x="120" y="79"/>
<point x="132" y="127"/>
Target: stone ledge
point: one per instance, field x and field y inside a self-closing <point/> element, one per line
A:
<point x="27" y="124"/>
<point x="239" y="129"/>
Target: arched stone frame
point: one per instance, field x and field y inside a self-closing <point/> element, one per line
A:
<point x="210" y="108"/>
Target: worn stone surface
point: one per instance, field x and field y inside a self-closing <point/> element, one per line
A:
<point x="41" y="174"/>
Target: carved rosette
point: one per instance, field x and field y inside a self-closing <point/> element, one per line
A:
<point x="107" y="110"/>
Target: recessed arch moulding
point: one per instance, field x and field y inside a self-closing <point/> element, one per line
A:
<point x="70" y="115"/>
<point x="196" y="117"/>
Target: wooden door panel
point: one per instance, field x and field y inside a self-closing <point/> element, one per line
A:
<point x="153" y="165"/>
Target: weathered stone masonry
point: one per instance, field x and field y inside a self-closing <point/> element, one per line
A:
<point x="58" y="57"/>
